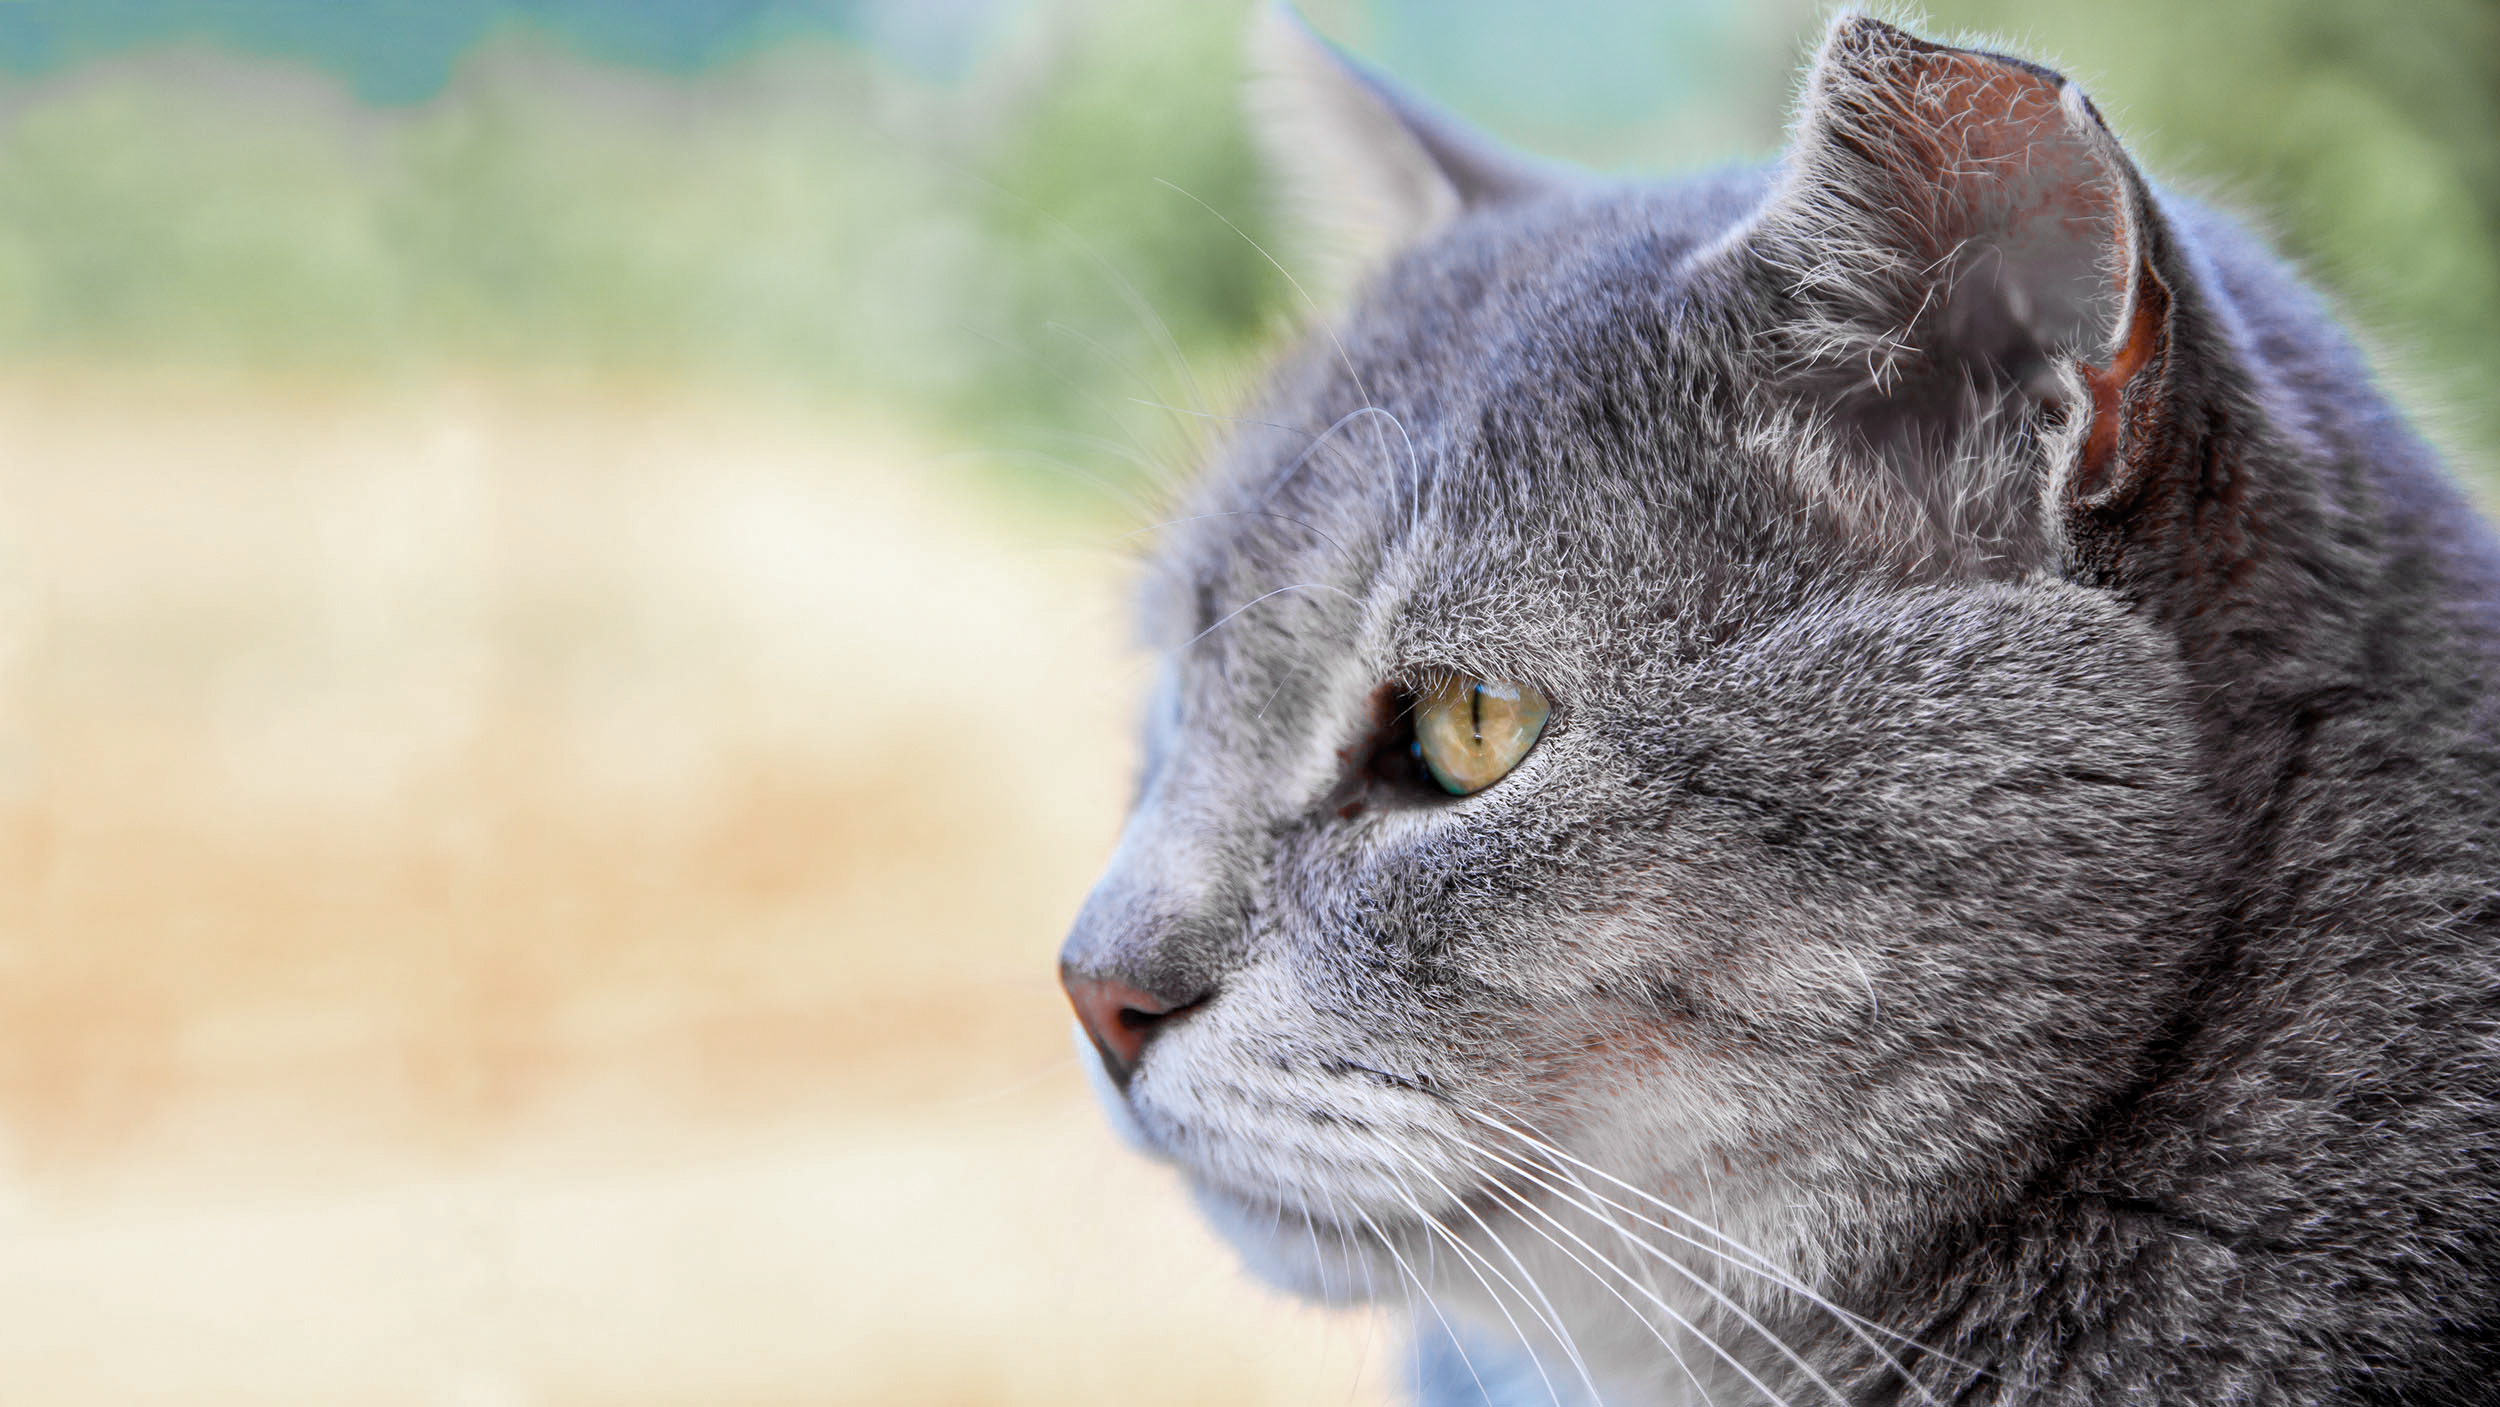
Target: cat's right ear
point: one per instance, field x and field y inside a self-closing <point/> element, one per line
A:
<point x="1957" y="234"/>
<point x="1364" y="169"/>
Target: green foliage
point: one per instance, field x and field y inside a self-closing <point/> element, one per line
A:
<point x="1128" y="180"/>
<point x="998" y="255"/>
<point x="137" y="217"/>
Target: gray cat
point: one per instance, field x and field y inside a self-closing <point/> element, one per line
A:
<point x="1874" y="781"/>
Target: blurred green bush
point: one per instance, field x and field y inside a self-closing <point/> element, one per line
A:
<point x="995" y="254"/>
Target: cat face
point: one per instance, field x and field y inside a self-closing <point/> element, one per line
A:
<point x="1850" y="862"/>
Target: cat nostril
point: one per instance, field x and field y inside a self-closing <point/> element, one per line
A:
<point x="1118" y="1017"/>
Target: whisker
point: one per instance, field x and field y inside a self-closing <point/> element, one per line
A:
<point x="1757" y="1260"/>
<point x="1068" y="383"/>
<point x="1859" y="1326"/>
<point x="1864" y="1330"/>
<point x="1370" y="402"/>
<point x="1527" y="1205"/>
<point x="1414" y="462"/>
<point x="1524" y="1341"/>
<point x="1237" y="610"/>
<point x="1752" y="1261"/>
<point x="1099" y="351"/>
<point x="1153" y="467"/>
<point x="1312" y="529"/>
<point x="1639" y="1314"/>
<point x="1700" y="1282"/>
<point x="1552" y="1317"/>
<point x="1429" y="1302"/>
<point x="1137" y="303"/>
<point x="1273" y="694"/>
<point x="1304" y="294"/>
<point x="1128" y="501"/>
<point x="1317" y="442"/>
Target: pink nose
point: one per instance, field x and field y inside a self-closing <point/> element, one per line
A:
<point x="1118" y="1016"/>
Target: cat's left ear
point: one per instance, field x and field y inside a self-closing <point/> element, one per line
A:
<point x="1956" y="228"/>
<point x="1365" y="169"/>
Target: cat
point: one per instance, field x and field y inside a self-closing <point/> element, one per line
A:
<point x="1871" y="781"/>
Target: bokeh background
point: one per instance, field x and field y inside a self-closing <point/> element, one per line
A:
<point x="561" y="648"/>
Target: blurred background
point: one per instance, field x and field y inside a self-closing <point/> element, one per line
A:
<point x="562" y="661"/>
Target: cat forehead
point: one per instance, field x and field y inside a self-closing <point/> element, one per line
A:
<point x="1545" y="390"/>
<point x="1540" y="294"/>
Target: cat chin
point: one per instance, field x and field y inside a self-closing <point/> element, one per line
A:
<point x="1294" y="1251"/>
<point x="1314" y="1259"/>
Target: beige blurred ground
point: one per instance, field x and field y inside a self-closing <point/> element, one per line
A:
<point x="531" y="893"/>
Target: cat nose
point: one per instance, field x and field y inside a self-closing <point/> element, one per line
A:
<point x="1118" y="1017"/>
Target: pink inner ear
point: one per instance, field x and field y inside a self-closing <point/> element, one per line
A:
<point x="1985" y="151"/>
<point x="1953" y="204"/>
<point x="1990" y="146"/>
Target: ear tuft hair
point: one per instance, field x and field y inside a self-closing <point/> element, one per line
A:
<point x="1971" y="282"/>
<point x="1947" y="210"/>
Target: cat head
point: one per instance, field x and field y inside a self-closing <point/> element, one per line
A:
<point x="1852" y="859"/>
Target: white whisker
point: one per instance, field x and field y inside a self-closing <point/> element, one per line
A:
<point x="1429" y="1302"/>
<point x="1237" y="610"/>
<point x="1551" y="1317"/>
<point x="1299" y="290"/>
<point x="1755" y="1262"/>
<point x="1639" y="1315"/>
<point x="1552" y="1325"/>
<point x="1699" y="1281"/>
<point x="1527" y="1204"/>
<point x="1238" y="513"/>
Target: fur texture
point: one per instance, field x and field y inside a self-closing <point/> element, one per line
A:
<point x="2004" y="909"/>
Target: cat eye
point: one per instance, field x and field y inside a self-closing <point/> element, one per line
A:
<point x="1472" y="732"/>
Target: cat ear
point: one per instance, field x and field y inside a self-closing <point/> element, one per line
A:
<point x="1364" y="168"/>
<point x="1956" y="230"/>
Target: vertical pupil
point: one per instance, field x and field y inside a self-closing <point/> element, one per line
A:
<point x="1468" y="751"/>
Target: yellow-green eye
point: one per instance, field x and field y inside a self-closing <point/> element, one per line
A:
<point x="1471" y="732"/>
